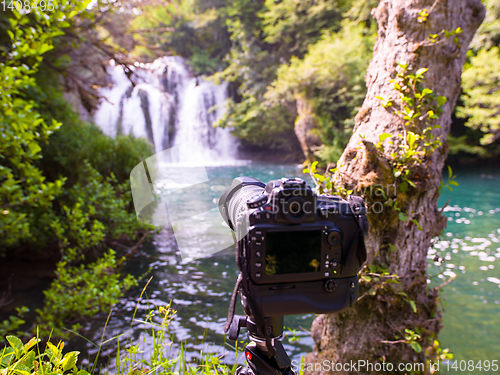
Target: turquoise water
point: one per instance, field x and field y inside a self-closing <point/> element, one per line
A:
<point x="471" y="248"/>
<point x="200" y="290"/>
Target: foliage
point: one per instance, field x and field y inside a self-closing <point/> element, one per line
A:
<point x="20" y="359"/>
<point x="479" y="103"/>
<point x="488" y="34"/>
<point x="293" y="25"/>
<point x="80" y="292"/>
<point x="284" y="49"/>
<point x="34" y="358"/>
<point x="419" y="107"/>
<point x="22" y="127"/>
<point x="14" y="322"/>
<point x="257" y="124"/>
<point x="332" y="75"/>
<point x="193" y="29"/>
<point x="481" y="84"/>
<point x="335" y="63"/>
<point x="74" y="223"/>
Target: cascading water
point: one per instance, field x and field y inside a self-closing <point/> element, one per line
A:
<point x="168" y="106"/>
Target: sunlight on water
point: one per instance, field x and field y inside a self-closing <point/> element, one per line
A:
<point x="470" y="250"/>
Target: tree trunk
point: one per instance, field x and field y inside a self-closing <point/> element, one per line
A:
<point x="305" y="127"/>
<point x="395" y="285"/>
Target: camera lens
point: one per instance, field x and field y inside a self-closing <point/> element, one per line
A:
<point x="238" y="202"/>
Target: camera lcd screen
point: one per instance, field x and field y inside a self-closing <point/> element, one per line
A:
<point x="293" y="252"/>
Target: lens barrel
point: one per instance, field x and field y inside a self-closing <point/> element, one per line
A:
<point x="234" y="201"/>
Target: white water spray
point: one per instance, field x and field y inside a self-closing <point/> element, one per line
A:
<point x="169" y="107"/>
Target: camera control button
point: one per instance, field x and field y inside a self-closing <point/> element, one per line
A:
<point x="268" y="215"/>
<point x="327" y="264"/>
<point x="258" y="244"/>
<point x="258" y="264"/>
<point x="334" y="263"/>
<point x="258" y="233"/>
<point x="258" y="216"/>
<point x="327" y="256"/>
<point x="333" y="238"/>
<point x="258" y="274"/>
<point x="330" y="285"/>
<point x="257" y="254"/>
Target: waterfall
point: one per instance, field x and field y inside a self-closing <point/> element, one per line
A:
<point x="168" y="106"/>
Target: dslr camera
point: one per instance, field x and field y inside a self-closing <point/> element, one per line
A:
<point x="297" y="252"/>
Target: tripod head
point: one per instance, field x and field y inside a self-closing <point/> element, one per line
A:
<point x="261" y="361"/>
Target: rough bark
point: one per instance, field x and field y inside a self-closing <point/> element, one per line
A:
<point x="305" y="128"/>
<point x="374" y="329"/>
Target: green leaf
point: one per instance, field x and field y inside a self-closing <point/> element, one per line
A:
<point x="34" y="148"/>
<point x="420" y="72"/>
<point x="416" y="223"/>
<point x="402" y="217"/>
<point x="382" y="137"/>
<point x="16" y="344"/>
<point x="454" y="183"/>
<point x="403" y="187"/>
<point x="44" y="48"/>
<point x="411" y="138"/>
<point x="416" y="346"/>
<point x="450" y="172"/>
<point x="69" y="360"/>
<point x="6" y="357"/>
<point x="441" y="100"/>
<point x="426" y="92"/>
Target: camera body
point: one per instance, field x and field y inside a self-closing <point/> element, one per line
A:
<point x="297" y="252"/>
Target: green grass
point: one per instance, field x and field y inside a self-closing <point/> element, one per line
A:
<point x="37" y="357"/>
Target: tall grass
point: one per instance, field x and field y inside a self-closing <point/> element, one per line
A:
<point x="46" y="358"/>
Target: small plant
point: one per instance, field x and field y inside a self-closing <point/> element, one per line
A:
<point x="23" y="359"/>
<point x="324" y="183"/>
<point x="29" y="359"/>
<point x="451" y="181"/>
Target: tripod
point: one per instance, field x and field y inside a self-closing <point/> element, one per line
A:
<point x="260" y="360"/>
